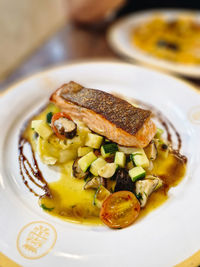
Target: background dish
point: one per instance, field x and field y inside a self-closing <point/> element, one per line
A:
<point x="119" y="37"/>
<point x="170" y="228"/>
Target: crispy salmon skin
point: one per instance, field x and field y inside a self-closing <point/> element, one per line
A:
<point x="106" y="114"/>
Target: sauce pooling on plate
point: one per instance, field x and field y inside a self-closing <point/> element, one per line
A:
<point x="66" y="197"/>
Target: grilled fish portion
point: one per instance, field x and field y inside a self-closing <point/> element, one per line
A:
<point x="106" y="114"/>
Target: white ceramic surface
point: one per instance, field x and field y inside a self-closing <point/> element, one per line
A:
<point x="119" y="37"/>
<point x="164" y="237"/>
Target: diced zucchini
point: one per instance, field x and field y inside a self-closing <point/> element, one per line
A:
<point x="97" y="165"/>
<point x="93" y="140"/>
<point x="108" y="149"/>
<point x="103" y="153"/>
<point x="86" y="161"/>
<point x="126" y="150"/>
<point x="120" y="159"/>
<point x="108" y="170"/>
<point x="42" y="128"/>
<point x="83" y="150"/>
<point x="101" y="194"/>
<point x="137" y="173"/>
<point x="139" y="158"/>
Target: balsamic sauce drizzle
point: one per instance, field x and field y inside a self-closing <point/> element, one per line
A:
<point x="29" y="171"/>
<point x="168" y="126"/>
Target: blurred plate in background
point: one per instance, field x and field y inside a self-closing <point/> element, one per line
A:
<point x="119" y="37"/>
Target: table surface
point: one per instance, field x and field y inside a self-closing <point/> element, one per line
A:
<point x="71" y="42"/>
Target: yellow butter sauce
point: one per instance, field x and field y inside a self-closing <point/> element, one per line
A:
<point x="171" y="171"/>
<point x="70" y="202"/>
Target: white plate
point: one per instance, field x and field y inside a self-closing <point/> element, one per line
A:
<point x="163" y="238"/>
<point x="119" y="39"/>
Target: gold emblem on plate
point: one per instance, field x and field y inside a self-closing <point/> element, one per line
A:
<point x="36" y="239"/>
<point x="194" y="115"/>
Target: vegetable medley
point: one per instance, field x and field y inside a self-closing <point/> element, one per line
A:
<point x="121" y="177"/>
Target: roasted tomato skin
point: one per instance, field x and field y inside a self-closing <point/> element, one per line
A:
<point x="120" y="209"/>
<point x="56" y="117"/>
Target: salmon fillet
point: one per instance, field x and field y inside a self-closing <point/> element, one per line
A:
<point x="106" y="114"/>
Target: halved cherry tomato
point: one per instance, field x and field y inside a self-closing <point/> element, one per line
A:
<point x="120" y="209"/>
<point x="55" y="118"/>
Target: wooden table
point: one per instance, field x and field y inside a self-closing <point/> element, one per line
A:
<point x="69" y="43"/>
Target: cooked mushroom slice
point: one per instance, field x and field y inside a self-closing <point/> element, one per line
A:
<point x="153" y="177"/>
<point x="66" y="127"/>
<point x="151" y="150"/>
<point x="144" y="188"/>
<point x="150" y="168"/>
<point x="77" y="172"/>
<point x="123" y="181"/>
<point x="94" y="183"/>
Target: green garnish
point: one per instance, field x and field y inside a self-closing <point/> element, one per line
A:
<point x="46" y="208"/>
<point x="49" y="117"/>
